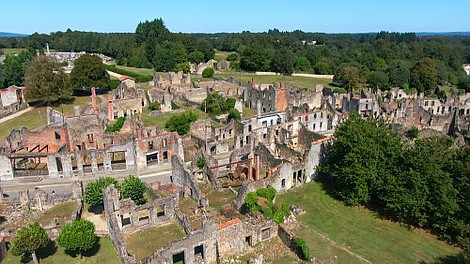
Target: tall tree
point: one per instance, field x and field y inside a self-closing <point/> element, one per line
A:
<point x="423" y="75"/>
<point x="134" y="188"/>
<point x="150" y="34"/>
<point x="46" y="81"/>
<point x="398" y="73"/>
<point x="89" y="71"/>
<point x="94" y="190"/>
<point x="282" y="61"/>
<point x="348" y="77"/>
<point x="28" y="240"/>
<point x="78" y="237"/>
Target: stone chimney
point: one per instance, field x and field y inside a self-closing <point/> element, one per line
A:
<point x="93" y="100"/>
<point x="110" y="108"/>
<point x="282" y="86"/>
<point x="257" y="178"/>
<point x="253" y="83"/>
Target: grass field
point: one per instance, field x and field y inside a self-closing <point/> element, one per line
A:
<point x="221" y="55"/>
<point x="37" y="117"/>
<point x="61" y="210"/>
<point x="360" y="230"/>
<point x="102" y="253"/>
<point x="147" y="241"/>
<point x="12" y="51"/>
<point x="141" y="71"/>
<point x="302" y="82"/>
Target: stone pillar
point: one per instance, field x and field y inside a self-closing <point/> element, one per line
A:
<point x="52" y="166"/>
<point x="107" y="162"/>
<point x="250" y="167"/>
<point x="24" y="198"/>
<point x="67" y="166"/>
<point x="78" y="157"/>
<point x="257" y="167"/>
<point x="110" y="108"/>
<point x="6" y="170"/>
<point x="93" y="100"/>
<point x="258" y="107"/>
<point x="94" y="163"/>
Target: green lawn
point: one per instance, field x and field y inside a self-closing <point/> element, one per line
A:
<point x="302" y="82"/>
<point x="37" y="117"/>
<point x="248" y="112"/>
<point x="102" y="253"/>
<point x="149" y="240"/>
<point x="12" y="51"/>
<point x="221" y="55"/>
<point x="60" y="210"/>
<point x="162" y="119"/>
<point x="360" y="230"/>
<point x="141" y="71"/>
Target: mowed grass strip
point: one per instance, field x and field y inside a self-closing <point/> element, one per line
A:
<point x="102" y="253"/>
<point x="301" y="82"/>
<point x="161" y="120"/>
<point x="145" y="242"/>
<point x="141" y="71"/>
<point x="361" y="231"/>
<point x="8" y="51"/>
<point x="37" y="117"/>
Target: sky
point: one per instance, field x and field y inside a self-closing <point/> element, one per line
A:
<point x="190" y="16"/>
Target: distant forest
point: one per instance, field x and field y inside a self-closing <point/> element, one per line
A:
<point x="381" y="60"/>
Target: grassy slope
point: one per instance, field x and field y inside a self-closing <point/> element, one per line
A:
<point x="12" y="51"/>
<point x="141" y="71"/>
<point x="61" y="210"/>
<point x="37" y="117"/>
<point x="221" y="55"/>
<point x="358" y="229"/>
<point x="302" y="82"/>
<point x="103" y="253"/>
<point x="162" y="119"/>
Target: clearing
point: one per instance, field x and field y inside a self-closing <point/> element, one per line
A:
<point x="60" y="211"/>
<point x="12" y="51"/>
<point x="359" y="230"/>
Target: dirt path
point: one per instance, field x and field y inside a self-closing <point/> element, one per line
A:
<point x="6" y="118"/>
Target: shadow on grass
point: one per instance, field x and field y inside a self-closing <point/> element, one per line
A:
<point x="43" y="253"/>
<point x="461" y="258"/>
<point x="96" y="209"/>
<point x="96" y="247"/>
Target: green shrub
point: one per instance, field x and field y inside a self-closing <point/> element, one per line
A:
<point x="234" y="114"/>
<point x="116" y="126"/>
<point x="251" y="199"/>
<point x="207" y="72"/>
<point x="340" y="90"/>
<point x="201" y="162"/>
<point x="174" y="106"/>
<point x="233" y="57"/>
<point x="412" y="132"/>
<point x="154" y="106"/>
<point x="301" y="248"/>
<point x="268" y="193"/>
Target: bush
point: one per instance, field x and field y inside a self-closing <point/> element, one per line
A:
<point x="154" y="106"/>
<point x="251" y="199"/>
<point x="340" y="90"/>
<point x="301" y="248"/>
<point x="116" y="126"/>
<point x="180" y="123"/>
<point x="233" y="57"/>
<point x="268" y="193"/>
<point x="201" y="162"/>
<point x="234" y="114"/>
<point x="174" y="106"/>
<point x="207" y="72"/>
<point x="78" y="237"/>
<point x="134" y="188"/>
<point x="94" y="190"/>
<point x="412" y="132"/>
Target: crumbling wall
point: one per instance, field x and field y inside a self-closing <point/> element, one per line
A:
<point x="207" y="237"/>
<point x="182" y="178"/>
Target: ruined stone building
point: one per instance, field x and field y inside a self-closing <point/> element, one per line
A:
<point x="12" y="98"/>
<point x="365" y="104"/>
<point x="171" y="79"/>
<point x="125" y="100"/>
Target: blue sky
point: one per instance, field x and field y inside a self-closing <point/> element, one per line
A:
<point x="348" y="16"/>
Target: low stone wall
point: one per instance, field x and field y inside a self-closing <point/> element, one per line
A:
<point x="286" y="236"/>
<point x="183" y="179"/>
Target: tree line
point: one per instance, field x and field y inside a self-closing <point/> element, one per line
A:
<point x="423" y="182"/>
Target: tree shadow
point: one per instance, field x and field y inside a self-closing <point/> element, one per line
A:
<point x="43" y="253"/>
<point x="450" y="259"/>
<point x="96" y="209"/>
<point x="96" y="247"/>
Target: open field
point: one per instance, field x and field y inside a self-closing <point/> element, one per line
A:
<point x="141" y="71"/>
<point x="302" y="82"/>
<point x="37" y="116"/>
<point x="149" y="240"/>
<point x="221" y="55"/>
<point x="12" y="51"/>
<point x="102" y="253"/>
<point x="360" y="230"/>
<point x="60" y="210"/>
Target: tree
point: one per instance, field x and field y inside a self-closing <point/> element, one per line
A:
<point x="233" y="57"/>
<point x="89" y="71"/>
<point x="348" y="77"/>
<point x="208" y="72"/>
<point x="78" y="237"/>
<point x="377" y="79"/>
<point x="216" y="104"/>
<point x="234" y="114"/>
<point x="94" y="190"/>
<point x="14" y="68"/>
<point x="464" y="83"/>
<point x="282" y="61"/>
<point x="180" y="123"/>
<point x="302" y="64"/>
<point x="149" y="34"/>
<point x="398" y="73"/>
<point x="255" y="58"/>
<point x="423" y="76"/>
<point x="46" y="81"/>
<point x="196" y="56"/>
<point x="184" y="67"/>
<point x="134" y="188"/>
<point x="28" y="240"/>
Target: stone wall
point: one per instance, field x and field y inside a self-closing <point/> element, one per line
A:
<point x="203" y="240"/>
<point x="182" y="179"/>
